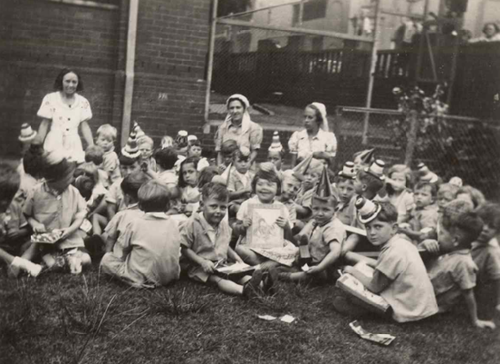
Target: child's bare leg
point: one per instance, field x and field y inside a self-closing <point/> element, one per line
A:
<point x="98" y="222"/>
<point x="16" y="264"/>
<point x="227" y="286"/>
<point x="31" y="253"/>
<point x="248" y="256"/>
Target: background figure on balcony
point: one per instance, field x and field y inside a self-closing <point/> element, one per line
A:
<point x="239" y="127"/>
<point x="491" y="33"/>
<point x="315" y="138"/>
<point x="62" y="113"/>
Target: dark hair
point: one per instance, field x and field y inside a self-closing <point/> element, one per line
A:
<point x="216" y="191"/>
<point x="206" y="175"/>
<point x="388" y="213"/>
<point x="497" y="28"/>
<point x="127" y="161"/>
<point x="9" y="182"/>
<point x="236" y="99"/>
<point x="131" y="184"/>
<point x="194" y="143"/>
<point x="153" y="196"/>
<point x="267" y="175"/>
<point x="33" y="159"/>
<point x="340" y="179"/>
<point x="86" y="177"/>
<point x="470" y="225"/>
<point x="166" y="158"/>
<point x="373" y="183"/>
<point x="452" y="210"/>
<point x="420" y="185"/>
<point x="238" y="154"/>
<point x="188" y="160"/>
<point x="58" y="83"/>
<point x="489" y="212"/>
<point x="95" y="154"/>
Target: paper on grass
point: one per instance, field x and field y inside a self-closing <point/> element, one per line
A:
<point x="383" y="339"/>
<point x="287" y="318"/>
<point x="267" y="317"/>
<point x="305" y="267"/>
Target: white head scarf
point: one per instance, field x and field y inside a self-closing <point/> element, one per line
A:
<point x="322" y="110"/>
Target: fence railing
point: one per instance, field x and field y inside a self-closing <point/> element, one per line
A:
<point x="454" y="146"/>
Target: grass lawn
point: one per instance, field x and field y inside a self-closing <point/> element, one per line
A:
<point x="59" y="318"/>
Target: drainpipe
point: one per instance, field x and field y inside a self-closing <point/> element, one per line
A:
<point x="210" y="65"/>
<point x="129" y="70"/>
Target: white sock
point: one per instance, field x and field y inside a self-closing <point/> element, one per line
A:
<point x="31" y="268"/>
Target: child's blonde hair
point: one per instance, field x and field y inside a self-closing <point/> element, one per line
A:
<point x="145" y="140"/>
<point x="107" y="131"/>
<point x="167" y="141"/>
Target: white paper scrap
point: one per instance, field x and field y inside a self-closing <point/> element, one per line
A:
<point x="305" y="267"/>
<point x="266" y="317"/>
<point x="288" y="319"/>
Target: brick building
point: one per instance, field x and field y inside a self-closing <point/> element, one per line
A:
<point x="40" y="37"/>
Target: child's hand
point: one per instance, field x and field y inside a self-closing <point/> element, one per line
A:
<point x="65" y="233"/>
<point x="247" y="222"/>
<point x="432" y="246"/>
<point x="281" y="222"/>
<point x="208" y="266"/>
<point x="39" y="228"/>
<point x="313" y="270"/>
<point x="485" y="324"/>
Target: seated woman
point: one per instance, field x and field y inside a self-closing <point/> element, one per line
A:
<point x="315" y="138"/>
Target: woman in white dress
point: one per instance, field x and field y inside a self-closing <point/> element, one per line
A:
<point x="63" y="112"/>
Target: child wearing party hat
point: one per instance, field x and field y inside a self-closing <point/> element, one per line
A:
<point x="308" y="171"/>
<point x="368" y="182"/>
<point x="399" y="275"/>
<point x="276" y="152"/>
<point x="129" y="163"/>
<point x="363" y="159"/>
<point x="322" y="237"/>
<point x="344" y="182"/>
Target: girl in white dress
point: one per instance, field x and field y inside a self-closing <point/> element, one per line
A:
<point x="62" y="113"/>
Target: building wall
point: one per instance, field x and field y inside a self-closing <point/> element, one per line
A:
<point x="40" y="37"/>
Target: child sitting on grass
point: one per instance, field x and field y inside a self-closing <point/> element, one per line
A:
<point x="188" y="181"/>
<point x="368" y="183"/>
<point x="116" y="227"/>
<point x="425" y="216"/>
<point x="57" y="205"/>
<point x="129" y="163"/>
<point x="308" y="170"/>
<point x="485" y="250"/>
<point x="326" y="238"/>
<point x="266" y="185"/>
<point x="239" y="179"/>
<point x="165" y="162"/>
<point x="344" y="182"/>
<point x="291" y="186"/>
<point x="205" y="243"/>
<point x="146" y="255"/>
<point x="453" y="274"/>
<point x="105" y="138"/>
<point x="398" y="187"/>
<point x="12" y="227"/>
<point x="400" y="276"/>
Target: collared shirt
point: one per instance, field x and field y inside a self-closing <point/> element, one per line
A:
<point x="116" y="227"/>
<point x="301" y="143"/>
<point x="208" y="242"/>
<point x="56" y="211"/>
<point x="111" y="165"/>
<point x="410" y="292"/>
<point x="248" y="134"/>
<point x="450" y="275"/>
<point x="323" y="236"/>
<point x="487" y="258"/>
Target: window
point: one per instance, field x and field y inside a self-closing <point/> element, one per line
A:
<point x="312" y="10"/>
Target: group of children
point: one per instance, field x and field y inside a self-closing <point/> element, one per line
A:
<point x="149" y="215"/>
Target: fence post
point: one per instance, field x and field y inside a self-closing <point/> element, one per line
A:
<point x="411" y="137"/>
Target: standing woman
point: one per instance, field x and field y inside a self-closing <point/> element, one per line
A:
<point x="239" y="127"/>
<point x="315" y="138"/>
<point x="62" y="113"/>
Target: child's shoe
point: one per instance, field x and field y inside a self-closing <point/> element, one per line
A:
<point x="251" y="288"/>
<point x="20" y="263"/>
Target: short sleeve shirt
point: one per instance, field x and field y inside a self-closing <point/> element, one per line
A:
<point x="404" y="204"/>
<point x="301" y="144"/>
<point x="238" y="181"/>
<point x="115" y="195"/>
<point x="56" y="211"/>
<point x="487" y="259"/>
<point x="116" y="227"/>
<point x="450" y="275"/>
<point x="248" y="134"/>
<point x="206" y="241"/>
<point x="425" y="218"/>
<point x="111" y="165"/>
<point x="323" y="236"/>
<point x="410" y="292"/>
